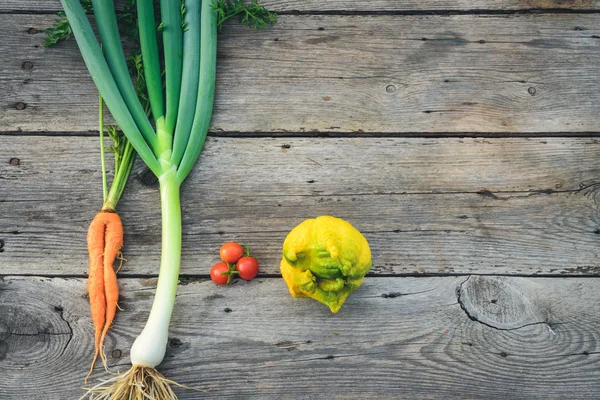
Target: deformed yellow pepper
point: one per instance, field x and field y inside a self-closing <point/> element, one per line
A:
<point x="326" y="259"/>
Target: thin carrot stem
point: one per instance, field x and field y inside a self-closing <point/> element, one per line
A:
<point x="121" y="174"/>
<point x="102" y="158"/>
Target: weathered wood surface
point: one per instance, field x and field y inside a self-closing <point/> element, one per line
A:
<point x="502" y="206"/>
<point x="384" y="74"/>
<point x="362" y="5"/>
<point x="395" y="338"/>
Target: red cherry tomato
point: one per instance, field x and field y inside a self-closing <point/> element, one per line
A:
<point x="219" y="273"/>
<point x="247" y="268"/>
<point x="231" y="252"/>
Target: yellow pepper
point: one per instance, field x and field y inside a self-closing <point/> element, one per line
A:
<point x="326" y="259"/>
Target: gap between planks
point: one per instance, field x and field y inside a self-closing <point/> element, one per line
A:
<point x="186" y="278"/>
<point x="400" y="12"/>
<point x="345" y="134"/>
<point x="532" y="7"/>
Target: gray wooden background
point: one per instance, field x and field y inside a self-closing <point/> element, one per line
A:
<point x="461" y="137"/>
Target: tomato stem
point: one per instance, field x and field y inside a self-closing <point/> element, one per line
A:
<point x="246" y="250"/>
<point x="226" y="273"/>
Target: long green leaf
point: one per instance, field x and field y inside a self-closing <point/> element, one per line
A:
<point x="106" y="19"/>
<point x="149" y="47"/>
<point x="206" y="90"/>
<point x="189" y="79"/>
<point x="173" y="47"/>
<point x="105" y="82"/>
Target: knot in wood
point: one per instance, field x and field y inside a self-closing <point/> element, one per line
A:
<point x="499" y="302"/>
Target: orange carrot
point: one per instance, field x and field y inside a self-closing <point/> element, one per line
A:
<point x="114" y="242"/>
<point x="105" y="239"/>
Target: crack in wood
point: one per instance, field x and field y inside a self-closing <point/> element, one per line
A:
<point x="70" y="333"/>
<point x="475" y="319"/>
<point x="60" y="311"/>
<point x="393" y="295"/>
<point x="483" y="192"/>
<point x="39" y="334"/>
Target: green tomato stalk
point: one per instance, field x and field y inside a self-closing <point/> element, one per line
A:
<point x="181" y="115"/>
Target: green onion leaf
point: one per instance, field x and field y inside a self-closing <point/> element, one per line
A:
<point x="105" y="82"/>
<point x="106" y="19"/>
<point x="189" y="79"/>
<point x="206" y="90"/>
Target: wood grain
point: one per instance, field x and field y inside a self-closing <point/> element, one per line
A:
<point x="501" y="206"/>
<point x="361" y="5"/>
<point x="400" y="338"/>
<point x="507" y="206"/>
<point x="362" y="74"/>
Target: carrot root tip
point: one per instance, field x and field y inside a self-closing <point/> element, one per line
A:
<point x="122" y="260"/>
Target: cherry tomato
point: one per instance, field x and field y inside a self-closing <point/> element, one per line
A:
<point x="247" y="268"/>
<point x="219" y="273"/>
<point x="231" y="252"/>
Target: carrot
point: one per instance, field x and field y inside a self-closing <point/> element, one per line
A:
<point x="114" y="242"/>
<point x="105" y="239"/>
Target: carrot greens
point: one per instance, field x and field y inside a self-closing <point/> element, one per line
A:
<point x="252" y="14"/>
<point x="177" y="67"/>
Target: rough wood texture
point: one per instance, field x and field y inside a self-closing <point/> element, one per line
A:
<point x="502" y="206"/>
<point x="362" y="5"/>
<point x="506" y="206"/>
<point x="391" y="74"/>
<point x="395" y="338"/>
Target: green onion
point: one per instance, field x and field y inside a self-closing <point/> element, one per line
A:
<point x="181" y="115"/>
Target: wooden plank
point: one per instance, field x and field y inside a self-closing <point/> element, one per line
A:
<point x="400" y="338"/>
<point x="501" y="206"/>
<point x="389" y="74"/>
<point x="361" y="5"/>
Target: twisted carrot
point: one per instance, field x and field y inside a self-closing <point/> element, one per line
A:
<point x="105" y="240"/>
